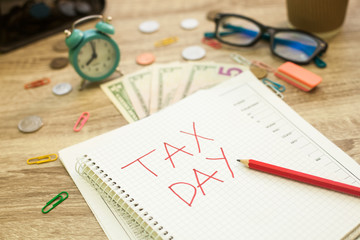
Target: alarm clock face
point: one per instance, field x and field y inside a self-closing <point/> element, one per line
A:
<point x="97" y="58"/>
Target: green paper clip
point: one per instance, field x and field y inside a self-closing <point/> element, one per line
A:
<point x="61" y="199"/>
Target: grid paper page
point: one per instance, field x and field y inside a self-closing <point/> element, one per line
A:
<point x="267" y="110"/>
<point x="180" y="166"/>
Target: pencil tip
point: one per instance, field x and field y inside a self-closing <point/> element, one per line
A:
<point x="244" y="161"/>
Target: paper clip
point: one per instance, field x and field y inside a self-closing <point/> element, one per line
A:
<point x="279" y="94"/>
<point x="61" y="199"/>
<point x="263" y="65"/>
<point x="166" y="41"/>
<point x="42" y="159"/>
<point x="37" y="83"/>
<point x="211" y="42"/>
<point x="81" y="121"/>
<point x="240" y="59"/>
<point x="278" y="86"/>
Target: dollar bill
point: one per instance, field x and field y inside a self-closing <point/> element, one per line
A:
<point x="117" y="93"/>
<point x="165" y="82"/>
<point x="153" y="88"/>
<point x="138" y="87"/>
<point x="205" y="75"/>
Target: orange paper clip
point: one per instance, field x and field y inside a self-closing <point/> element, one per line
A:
<point x="81" y="121"/>
<point x="166" y="41"/>
<point x="42" y="159"/>
<point x="211" y="42"/>
<point x="37" y="83"/>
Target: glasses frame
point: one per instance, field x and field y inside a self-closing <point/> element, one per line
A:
<point x="271" y="31"/>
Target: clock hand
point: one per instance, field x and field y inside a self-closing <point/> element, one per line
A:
<point x="90" y="60"/>
<point x="93" y="55"/>
<point x="92" y="44"/>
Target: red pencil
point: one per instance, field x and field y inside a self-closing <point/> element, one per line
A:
<point x="301" y="177"/>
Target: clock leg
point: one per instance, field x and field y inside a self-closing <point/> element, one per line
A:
<point x="119" y="71"/>
<point x="82" y="85"/>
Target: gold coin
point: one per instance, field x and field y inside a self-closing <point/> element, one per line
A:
<point x="260" y="73"/>
<point x="60" y="46"/>
<point x="59" y="62"/>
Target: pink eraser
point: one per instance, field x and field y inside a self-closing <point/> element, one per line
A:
<point x="298" y="76"/>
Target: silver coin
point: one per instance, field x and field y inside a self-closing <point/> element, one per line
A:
<point x="193" y="53"/>
<point x="30" y="124"/>
<point x="149" y="26"/>
<point x="62" y="89"/>
<point x="189" y="23"/>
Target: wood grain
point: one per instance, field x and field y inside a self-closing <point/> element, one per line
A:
<point x="333" y="108"/>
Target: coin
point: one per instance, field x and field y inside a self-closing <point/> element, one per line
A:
<point x="59" y="62"/>
<point x="30" y="124"/>
<point x="149" y="26"/>
<point x="145" y="59"/>
<point x="260" y="73"/>
<point x="193" y="53"/>
<point x="62" y="88"/>
<point x="189" y="23"/>
<point x="60" y="46"/>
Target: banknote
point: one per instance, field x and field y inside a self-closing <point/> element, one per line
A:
<point x="204" y="75"/>
<point x="152" y="88"/>
<point x="116" y="92"/>
<point x="138" y="87"/>
<point x="165" y="82"/>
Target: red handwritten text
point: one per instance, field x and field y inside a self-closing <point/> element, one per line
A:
<point x="200" y="184"/>
<point x="223" y="158"/>
<point x="177" y="150"/>
<point x="197" y="137"/>
<point x="138" y="160"/>
<point x="193" y="197"/>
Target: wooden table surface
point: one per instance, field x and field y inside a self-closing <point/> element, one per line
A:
<point x="333" y="107"/>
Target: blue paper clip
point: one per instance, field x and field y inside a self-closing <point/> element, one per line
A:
<point x="61" y="199"/>
<point x="277" y="86"/>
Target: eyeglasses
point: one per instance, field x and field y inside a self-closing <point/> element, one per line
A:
<point x="289" y="44"/>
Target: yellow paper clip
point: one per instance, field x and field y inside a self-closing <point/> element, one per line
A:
<point x="59" y="199"/>
<point x="42" y="159"/>
<point x="166" y="41"/>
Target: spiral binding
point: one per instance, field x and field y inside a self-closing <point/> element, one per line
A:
<point x="125" y="206"/>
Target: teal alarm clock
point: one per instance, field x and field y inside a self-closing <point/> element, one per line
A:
<point x="93" y="53"/>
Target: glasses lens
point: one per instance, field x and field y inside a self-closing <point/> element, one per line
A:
<point x="294" y="46"/>
<point x="239" y="31"/>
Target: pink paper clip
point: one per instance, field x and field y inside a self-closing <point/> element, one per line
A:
<point x="263" y="66"/>
<point x="211" y="42"/>
<point x="81" y="121"/>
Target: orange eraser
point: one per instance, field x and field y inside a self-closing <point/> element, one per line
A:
<point x="298" y="76"/>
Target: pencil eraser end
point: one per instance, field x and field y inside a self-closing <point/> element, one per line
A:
<point x="298" y="76"/>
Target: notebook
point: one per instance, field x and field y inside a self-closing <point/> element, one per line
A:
<point x="174" y="175"/>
